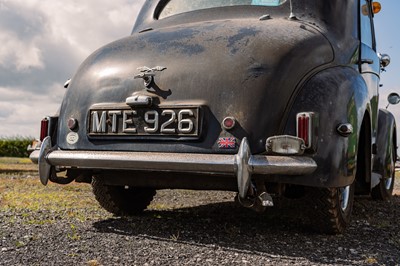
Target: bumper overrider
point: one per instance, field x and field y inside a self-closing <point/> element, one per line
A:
<point x="242" y="165"/>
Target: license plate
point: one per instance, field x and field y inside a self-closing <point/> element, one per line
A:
<point x="145" y="122"/>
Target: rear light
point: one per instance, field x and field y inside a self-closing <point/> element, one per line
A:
<point x="305" y="127"/>
<point x="44" y="128"/>
<point x="48" y="127"/>
<point x="307" y="124"/>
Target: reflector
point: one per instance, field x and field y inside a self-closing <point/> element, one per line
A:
<point x="228" y="123"/>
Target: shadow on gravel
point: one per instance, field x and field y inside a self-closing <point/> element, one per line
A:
<point x="372" y="238"/>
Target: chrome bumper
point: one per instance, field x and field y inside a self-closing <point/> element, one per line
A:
<point x="243" y="165"/>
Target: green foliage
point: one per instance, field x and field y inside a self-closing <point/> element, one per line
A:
<point x="15" y="146"/>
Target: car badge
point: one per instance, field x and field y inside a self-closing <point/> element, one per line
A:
<point x="227" y="143"/>
<point x="72" y="138"/>
<point x="147" y="74"/>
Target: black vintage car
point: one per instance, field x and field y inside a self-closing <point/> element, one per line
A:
<point x="263" y="97"/>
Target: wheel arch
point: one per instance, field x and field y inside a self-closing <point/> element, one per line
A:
<point x="364" y="155"/>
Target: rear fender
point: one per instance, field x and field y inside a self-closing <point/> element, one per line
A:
<point x="386" y="137"/>
<point x="339" y="95"/>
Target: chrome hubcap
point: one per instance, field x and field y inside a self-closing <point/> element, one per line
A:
<point x="389" y="181"/>
<point x="344" y="197"/>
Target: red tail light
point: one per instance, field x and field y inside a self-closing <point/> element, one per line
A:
<point x="304" y="128"/>
<point x="228" y="123"/>
<point x="44" y="128"/>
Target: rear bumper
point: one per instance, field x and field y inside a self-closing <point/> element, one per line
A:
<point x="242" y="165"/>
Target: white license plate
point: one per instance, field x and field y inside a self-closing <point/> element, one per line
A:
<point x="145" y="122"/>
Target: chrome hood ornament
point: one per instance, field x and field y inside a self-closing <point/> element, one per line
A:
<point x="147" y="74"/>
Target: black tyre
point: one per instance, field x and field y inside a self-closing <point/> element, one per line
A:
<point x="331" y="208"/>
<point x="384" y="190"/>
<point x="121" y="200"/>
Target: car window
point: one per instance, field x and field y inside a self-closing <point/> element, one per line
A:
<point x="366" y="26"/>
<point x="174" y="7"/>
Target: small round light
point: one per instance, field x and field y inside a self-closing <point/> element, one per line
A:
<point x="72" y="123"/>
<point x="228" y="123"/>
<point x="376" y="7"/>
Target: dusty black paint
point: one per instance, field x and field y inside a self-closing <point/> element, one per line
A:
<point x="241" y="38"/>
<point x="174" y="40"/>
<point x="232" y="64"/>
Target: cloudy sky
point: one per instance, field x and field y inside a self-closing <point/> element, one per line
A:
<point x="42" y="43"/>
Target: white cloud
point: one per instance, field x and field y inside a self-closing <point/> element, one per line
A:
<point x="21" y="110"/>
<point x="42" y="44"/>
<point x="19" y="54"/>
<point x="19" y="38"/>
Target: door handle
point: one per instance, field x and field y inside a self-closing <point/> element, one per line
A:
<point x="367" y="61"/>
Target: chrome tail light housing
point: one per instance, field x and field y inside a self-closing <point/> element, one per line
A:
<point x="285" y="145"/>
<point x="307" y="129"/>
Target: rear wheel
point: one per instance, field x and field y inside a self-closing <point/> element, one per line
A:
<point x="384" y="190"/>
<point x="331" y="208"/>
<point x="121" y="200"/>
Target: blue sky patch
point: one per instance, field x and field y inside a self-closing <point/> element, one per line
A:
<point x="267" y="2"/>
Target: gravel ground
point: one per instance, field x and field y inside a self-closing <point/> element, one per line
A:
<point x="197" y="228"/>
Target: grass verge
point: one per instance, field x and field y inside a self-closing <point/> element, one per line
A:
<point x="12" y="164"/>
<point x="26" y="195"/>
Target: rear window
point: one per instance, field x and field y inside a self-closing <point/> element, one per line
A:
<point x="174" y="7"/>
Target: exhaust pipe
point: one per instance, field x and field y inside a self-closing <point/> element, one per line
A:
<point x="256" y="199"/>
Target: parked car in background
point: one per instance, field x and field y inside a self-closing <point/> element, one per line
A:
<point x="264" y="97"/>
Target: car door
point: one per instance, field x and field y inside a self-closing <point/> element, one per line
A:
<point x="369" y="60"/>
